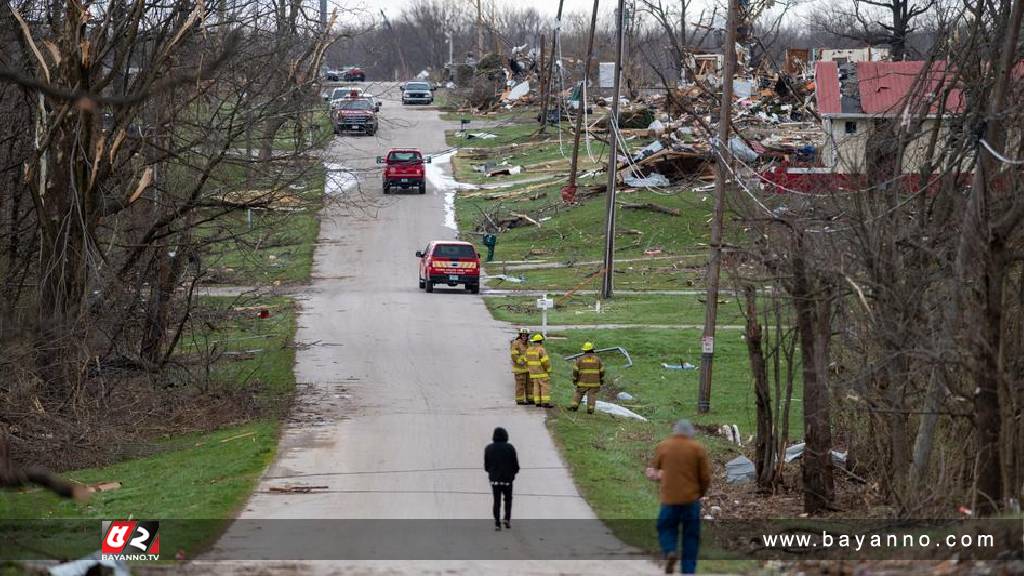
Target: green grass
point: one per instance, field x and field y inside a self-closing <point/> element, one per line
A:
<point x="202" y="477"/>
<point x="646" y="309"/>
<point x="523" y="115"/>
<point x="575" y="234"/>
<point x="628" y="276"/>
<point x="205" y="476"/>
<point x="278" y="247"/>
<point x="664" y="395"/>
<point x="316" y="135"/>
<point x="250" y="351"/>
<point x="536" y="160"/>
<point x="607" y="455"/>
<point x="518" y="133"/>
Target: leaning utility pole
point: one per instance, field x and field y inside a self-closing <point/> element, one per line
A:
<point x="707" y="341"/>
<point x="551" y="64"/>
<point x="613" y="156"/>
<point x="569" y="192"/>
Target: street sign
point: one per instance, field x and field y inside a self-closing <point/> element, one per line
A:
<point x="544" y="304"/>
<point x="606" y="74"/>
<point x="707" y="344"/>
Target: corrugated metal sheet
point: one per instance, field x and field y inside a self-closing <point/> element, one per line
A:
<point x="826" y="87"/>
<point x="885" y="86"/>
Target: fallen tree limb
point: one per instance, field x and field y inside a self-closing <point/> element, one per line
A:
<point x="527" y="218"/>
<point x="13" y="477"/>
<point x="652" y="207"/>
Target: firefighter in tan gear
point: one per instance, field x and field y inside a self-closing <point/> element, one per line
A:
<point x="588" y="377"/>
<point x="539" y="365"/>
<point x="517" y="348"/>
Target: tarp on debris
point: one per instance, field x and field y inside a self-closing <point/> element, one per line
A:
<point x="616" y="410"/>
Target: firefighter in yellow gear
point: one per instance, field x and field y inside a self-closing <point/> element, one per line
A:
<point x="588" y="377"/>
<point x="517" y="348"/>
<point x="539" y="365"/>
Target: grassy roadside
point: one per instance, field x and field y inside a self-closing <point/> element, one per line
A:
<point x="641" y="309"/>
<point x="316" y="135"/>
<point x="230" y="380"/>
<point x="654" y="250"/>
<point x="272" y="245"/>
<point x="607" y="455"/>
<point x="198" y="476"/>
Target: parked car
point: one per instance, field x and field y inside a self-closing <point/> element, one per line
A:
<point x="332" y="75"/>
<point x="355" y="115"/>
<point x="451" y="263"/>
<point x="343" y="93"/>
<point x="403" y="169"/>
<point x="417" y="93"/>
<point x="353" y="74"/>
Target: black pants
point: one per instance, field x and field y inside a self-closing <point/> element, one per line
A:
<point x="498" y="490"/>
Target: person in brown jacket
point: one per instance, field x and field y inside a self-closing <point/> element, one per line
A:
<point x="681" y="465"/>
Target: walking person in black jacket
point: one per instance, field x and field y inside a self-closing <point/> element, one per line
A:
<point x="502" y="465"/>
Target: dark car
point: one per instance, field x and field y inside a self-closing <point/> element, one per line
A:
<point x="353" y="74"/>
<point x="332" y="76"/>
<point x="355" y="115"/>
<point x="417" y="93"/>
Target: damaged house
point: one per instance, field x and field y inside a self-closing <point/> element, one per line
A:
<point x="863" y="104"/>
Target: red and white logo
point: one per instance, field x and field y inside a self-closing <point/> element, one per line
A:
<point x="130" y="540"/>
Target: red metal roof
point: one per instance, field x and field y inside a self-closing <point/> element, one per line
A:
<point x="886" y="86"/>
<point x="826" y="86"/>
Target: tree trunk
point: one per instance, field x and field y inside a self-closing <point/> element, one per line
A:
<point x="813" y="327"/>
<point x="764" y="450"/>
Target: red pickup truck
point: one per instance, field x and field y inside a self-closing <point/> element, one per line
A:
<point x="449" y="262"/>
<point x="403" y="168"/>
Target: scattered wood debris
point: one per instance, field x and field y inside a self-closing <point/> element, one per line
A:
<point x="295" y="489"/>
<point x="103" y="487"/>
<point x="652" y="207"/>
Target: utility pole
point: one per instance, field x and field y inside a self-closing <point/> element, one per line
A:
<point x="613" y="156"/>
<point x="707" y="341"/>
<point x="551" y="65"/>
<point x="398" y="46"/>
<point x="570" y="193"/>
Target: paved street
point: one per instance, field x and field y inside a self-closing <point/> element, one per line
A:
<point x="402" y="389"/>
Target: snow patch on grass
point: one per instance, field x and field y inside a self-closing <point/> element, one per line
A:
<point x="441" y="179"/>
<point x="339" y="179"/>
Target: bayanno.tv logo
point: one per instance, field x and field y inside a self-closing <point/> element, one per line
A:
<point x="130" y="540"/>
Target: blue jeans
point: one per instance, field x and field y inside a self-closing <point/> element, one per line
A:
<point x="670" y="518"/>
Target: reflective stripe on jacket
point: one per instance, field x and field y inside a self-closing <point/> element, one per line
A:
<point x="518" y="352"/>
<point x="537" y="361"/>
<point x="588" y="371"/>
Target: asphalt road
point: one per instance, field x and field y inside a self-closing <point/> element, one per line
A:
<point x="401" y="392"/>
